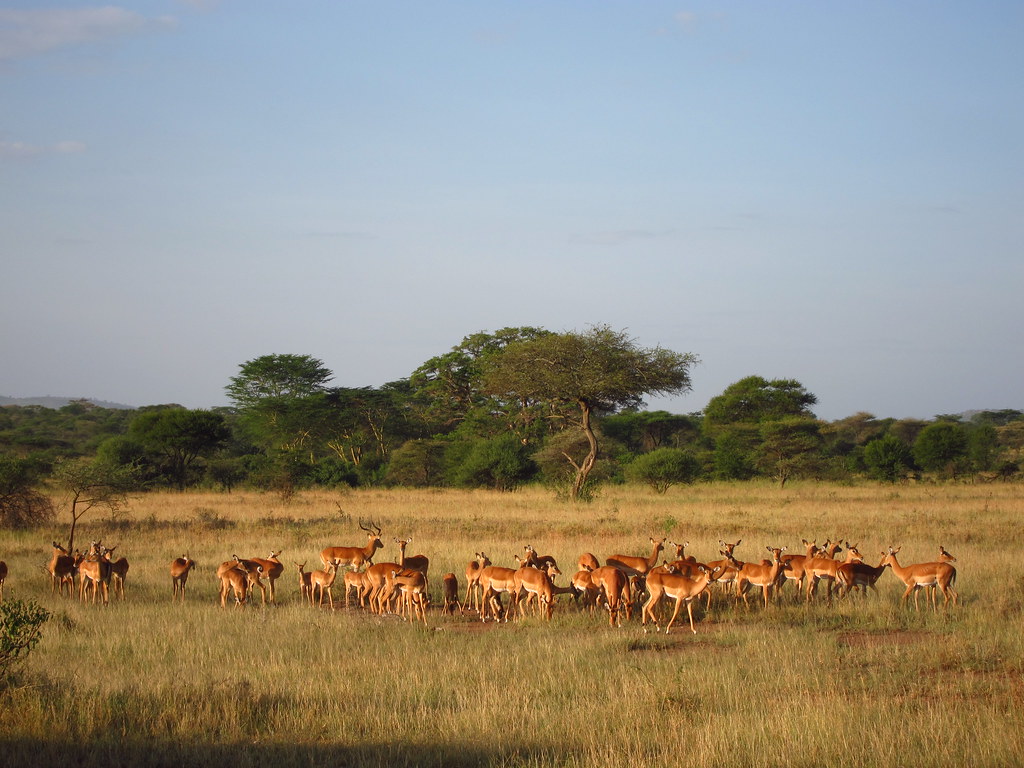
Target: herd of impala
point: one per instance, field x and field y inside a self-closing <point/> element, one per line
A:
<point x="621" y="585"/>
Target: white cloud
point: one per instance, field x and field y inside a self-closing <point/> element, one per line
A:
<point x="24" y="149"/>
<point x="29" y="33"/>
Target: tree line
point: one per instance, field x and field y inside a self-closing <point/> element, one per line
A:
<point x="520" y="405"/>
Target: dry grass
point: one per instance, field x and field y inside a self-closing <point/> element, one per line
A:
<point x="861" y="683"/>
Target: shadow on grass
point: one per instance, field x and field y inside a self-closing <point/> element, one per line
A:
<point x="126" y="752"/>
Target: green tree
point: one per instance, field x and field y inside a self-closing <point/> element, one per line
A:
<point x="600" y="370"/>
<point x="788" y="448"/>
<point x="501" y="463"/>
<point x="91" y="484"/>
<point x="179" y="437"/>
<point x="888" y="458"/>
<point x="450" y="386"/>
<point x="21" y="504"/>
<point x="940" y="447"/>
<point x="664" y="467"/>
<point x="277" y="378"/>
<point x="643" y="431"/>
<point x="755" y="399"/>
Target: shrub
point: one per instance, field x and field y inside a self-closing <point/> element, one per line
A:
<point x="21" y="627"/>
<point x="664" y="467"/>
<point x="21" y="505"/>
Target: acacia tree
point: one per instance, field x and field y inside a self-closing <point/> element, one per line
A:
<point x="91" y="484"/>
<point x="180" y="436"/>
<point x="597" y="370"/>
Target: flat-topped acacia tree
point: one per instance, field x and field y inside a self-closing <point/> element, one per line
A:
<point x="600" y="369"/>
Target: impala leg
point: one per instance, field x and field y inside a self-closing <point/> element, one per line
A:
<point x="671" y="621"/>
<point x="689" y="610"/>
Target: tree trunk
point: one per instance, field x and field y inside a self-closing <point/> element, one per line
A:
<point x="583" y="470"/>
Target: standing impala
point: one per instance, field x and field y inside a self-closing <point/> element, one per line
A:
<point x="306" y="584"/>
<point x="922" y="576"/>
<point x="495" y="579"/>
<point x="757" y="574"/>
<point x="638" y="566"/>
<point x="419" y="563"/>
<point x="473" y="570"/>
<point x="62" y="570"/>
<point x="534" y="581"/>
<point x="272" y="569"/>
<point x="355" y="557"/>
<point x="118" y="571"/>
<point x="858" y="574"/>
<point x="678" y="587"/>
<point x="180" y="568"/>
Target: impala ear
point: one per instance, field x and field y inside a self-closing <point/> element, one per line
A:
<point x="738" y="542"/>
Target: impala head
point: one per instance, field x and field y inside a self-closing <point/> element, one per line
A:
<point x="729" y="547"/>
<point x="274" y="555"/>
<point x="59" y="548"/>
<point x="301" y="566"/>
<point x="944" y="556"/>
<point x="482" y="559"/>
<point x="776" y="553"/>
<point x="680" y="548"/>
<point x="372" y="534"/>
<point x="553" y="571"/>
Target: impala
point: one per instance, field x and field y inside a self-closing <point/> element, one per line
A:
<point x="539" y="561"/>
<point x="62" y="570"/>
<point x="272" y="569"/>
<point x="450" y="591"/>
<point x="305" y="583"/>
<point x="587" y="562"/>
<point x="534" y="581"/>
<point x="419" y="563"/>
<point x="680" y="588"/>
<point x="614" y="584"/>
<point x="354" y="581"/>
<point x="794" y="570"/>
<point x="355" y="557"/>
<point x="724" y="573"/>
<point x="374" y="584"/>
<point x="254" y="568"/>
<point x="923" y="575"/>
<point x="413" y="588"/>
<point x="473" y="570"/>
<point x="757" y="574"/>
<point x="825" y="567"/>
<point x="233" y="578"/>
<point x="494" y="580"/>
<point x="323" y="580"/>
<point x="858" y="574"/>
<point x="583" y="585"/>
<point x="637" y="565"/>
<point x="118" y="571"/>
<point x="681" y="552"/>
<point x="180" y="568"/>
<point x="944" y="556"/>
<point x="94" y="572"/>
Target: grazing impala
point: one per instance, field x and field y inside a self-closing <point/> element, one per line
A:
<point x="450" y="591"/>
<point x="233" y="578"/>
<point x="473" y="570"/>
<point x="587" y="562"/>
<point x="62" y="570"/>
<point x="923" y="575"/>
<point x="180" y="568"/>
<point x="583" y="585"/>
<point x="254" y="568"/>
<point x="680" y="588"/>
<point x="355" y="557"/>
<point x="757" y="574"/>
<point x="614" y="584"/>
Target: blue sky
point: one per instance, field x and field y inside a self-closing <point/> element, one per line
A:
<point x="830" y="192"/>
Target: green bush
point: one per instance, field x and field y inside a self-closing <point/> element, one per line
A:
<point x="21" y="627"/>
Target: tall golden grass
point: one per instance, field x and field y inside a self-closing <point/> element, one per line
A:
<point x="864" y="682"/>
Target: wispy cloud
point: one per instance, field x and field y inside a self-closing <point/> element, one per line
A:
<point x="622" y="236"/>
<point x="29" y="33"/>
<point x="24" y="149"/>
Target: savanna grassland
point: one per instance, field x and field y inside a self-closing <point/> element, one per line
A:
<point x="864" y="682"/>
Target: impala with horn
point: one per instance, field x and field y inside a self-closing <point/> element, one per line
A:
<point x="354" y="557"/>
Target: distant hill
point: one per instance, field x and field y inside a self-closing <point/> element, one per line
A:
<point x="59" y="402"/>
